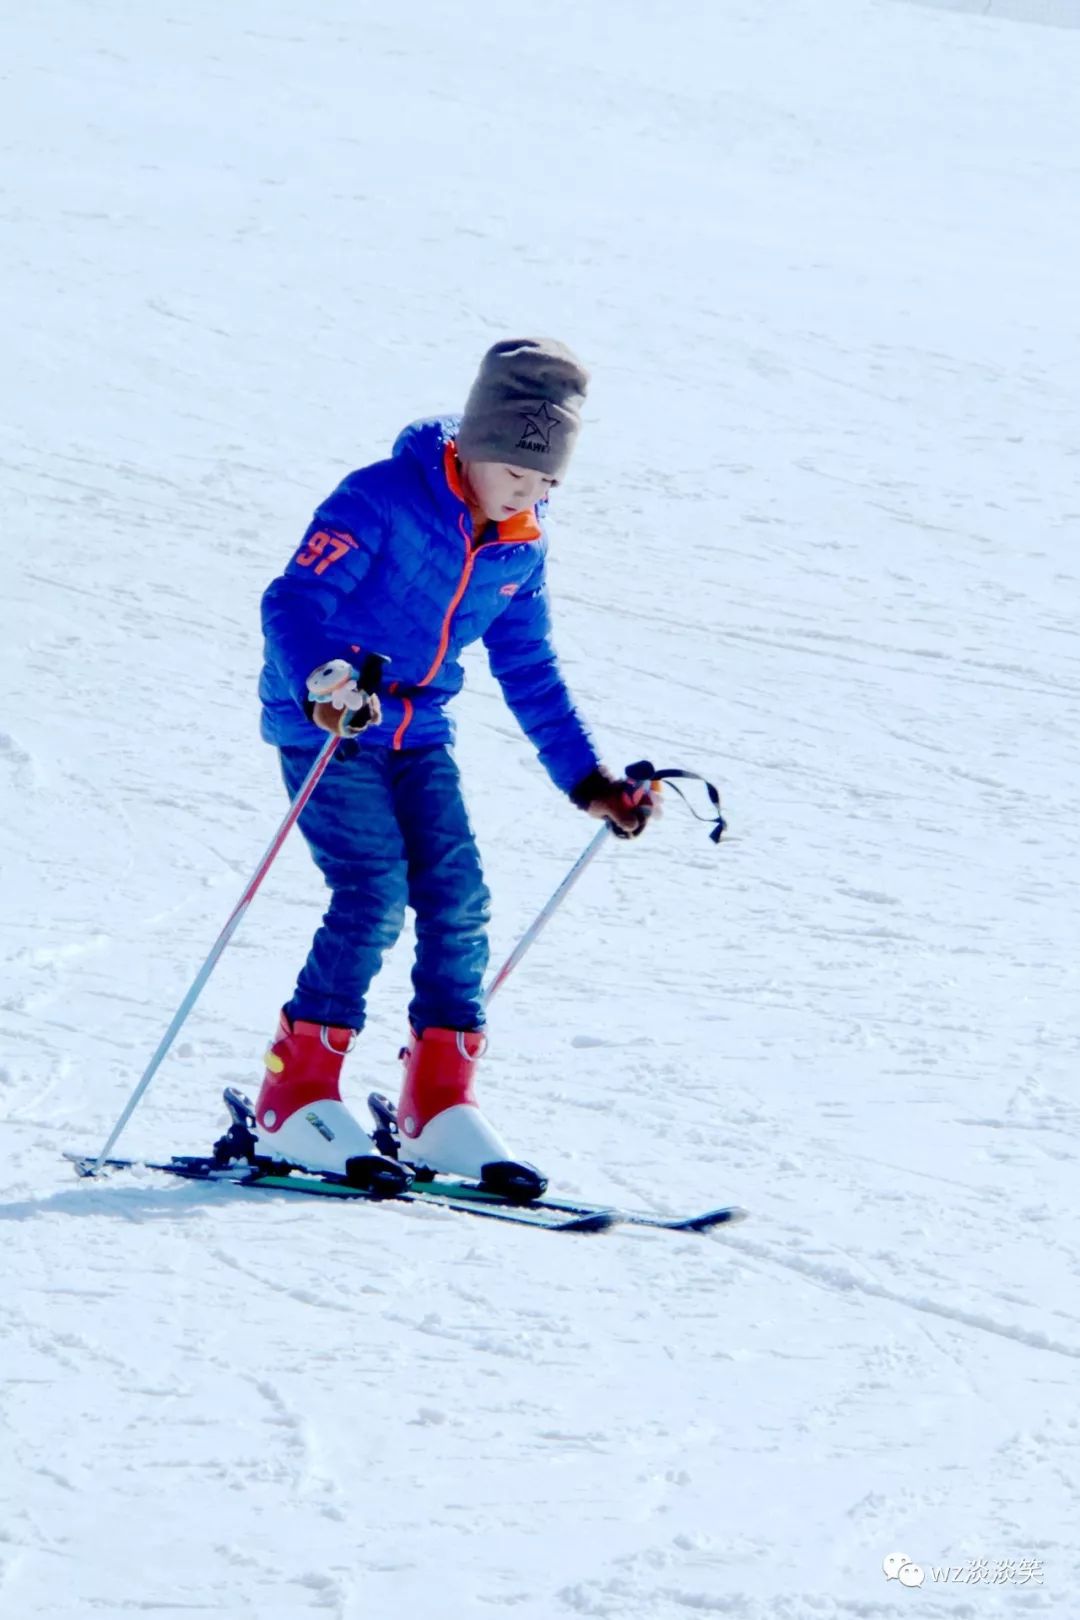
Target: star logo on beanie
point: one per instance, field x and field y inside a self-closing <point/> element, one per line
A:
<point x="538" y="426"/>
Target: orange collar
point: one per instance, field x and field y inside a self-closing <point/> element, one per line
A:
<point x="522" y="526"/>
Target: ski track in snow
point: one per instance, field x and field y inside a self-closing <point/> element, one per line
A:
<point x="819" y="543"/>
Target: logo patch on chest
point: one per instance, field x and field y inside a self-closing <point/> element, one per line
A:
<point x="507" y="590"/>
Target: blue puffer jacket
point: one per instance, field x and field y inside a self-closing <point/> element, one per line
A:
<point x="390" y="565"/>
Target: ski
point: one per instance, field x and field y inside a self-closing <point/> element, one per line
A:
<point x="387" y="1140"/>
<point x="556" y="1215"/>
<point x="705" y="1221"/>
<point x="447" y="1193"/>
<point x="511" y="1195"/>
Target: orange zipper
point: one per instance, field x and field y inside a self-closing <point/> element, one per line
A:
<point x="462" y="585"/>
<point x="444" y="637"/>
<point x="522" y="530"/>
<point x="401" y="730"/>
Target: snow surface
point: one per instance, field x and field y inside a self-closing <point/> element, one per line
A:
<point x="820" y="541"/>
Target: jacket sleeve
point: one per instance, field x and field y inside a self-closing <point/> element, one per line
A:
<point x="523" y="661"/>
<point x="341" y="542"/>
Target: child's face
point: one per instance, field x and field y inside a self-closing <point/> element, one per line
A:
<point x="502" y="491"/>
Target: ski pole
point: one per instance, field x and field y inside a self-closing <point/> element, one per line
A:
<point x="642" y="771"/>
<point x="199" y="982"/>
<point x="593" y="849"/>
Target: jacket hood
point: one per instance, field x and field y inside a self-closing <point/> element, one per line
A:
<point x="424" y="443"/>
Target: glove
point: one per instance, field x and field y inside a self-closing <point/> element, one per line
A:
<point x="624" y="804"/>
<point x="338" y="702"/>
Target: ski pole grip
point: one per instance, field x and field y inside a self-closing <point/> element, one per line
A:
<point x="371" y="672"/>
<point x="642" y="770"/>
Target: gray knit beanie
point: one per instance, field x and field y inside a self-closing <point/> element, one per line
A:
<point x="525" y="406"/>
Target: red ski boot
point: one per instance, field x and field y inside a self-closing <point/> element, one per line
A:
<point x="300" y="1117"/>
<point x="439" y="1123"/>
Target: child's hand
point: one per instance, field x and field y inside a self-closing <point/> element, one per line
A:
<point x="625" y="805"/>
<point x="338" y="703"/>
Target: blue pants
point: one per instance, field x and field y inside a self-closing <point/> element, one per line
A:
<point x="389" y="829"/>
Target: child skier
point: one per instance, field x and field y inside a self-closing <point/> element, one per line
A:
<point x="411" y="559"/>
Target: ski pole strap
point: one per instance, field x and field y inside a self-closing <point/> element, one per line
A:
<point x="643" y="770"/>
